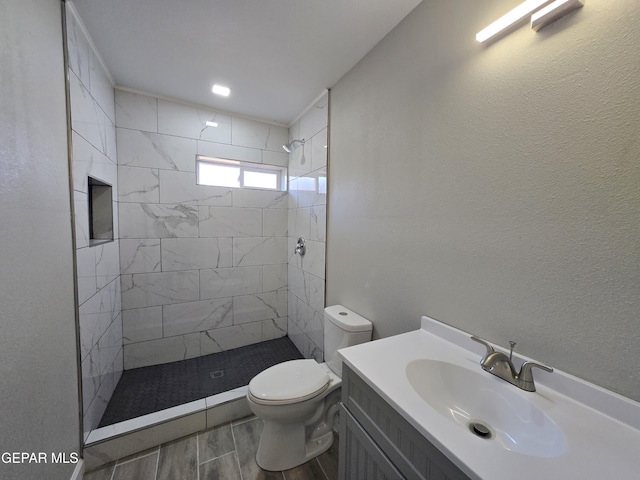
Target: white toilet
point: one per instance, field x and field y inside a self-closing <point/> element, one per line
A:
<point x="298" y="400"/>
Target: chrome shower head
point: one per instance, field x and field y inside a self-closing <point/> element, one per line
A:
<point x="290" y="147"/>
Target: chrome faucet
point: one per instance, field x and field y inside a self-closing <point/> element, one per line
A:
<point x="498" y="364"/>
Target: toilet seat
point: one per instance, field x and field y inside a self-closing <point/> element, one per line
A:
<point x="289" y="382"/>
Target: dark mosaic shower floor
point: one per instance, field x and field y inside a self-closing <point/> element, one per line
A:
<point x="149" y="389"/>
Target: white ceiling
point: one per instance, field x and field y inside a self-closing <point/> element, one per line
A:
<point x="277" y="56"/>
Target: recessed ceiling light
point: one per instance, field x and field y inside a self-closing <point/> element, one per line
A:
<point x="209" y="123"/>
<point x="220" y="90"/>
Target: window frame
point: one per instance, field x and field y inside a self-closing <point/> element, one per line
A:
<point x="254" y="167"/>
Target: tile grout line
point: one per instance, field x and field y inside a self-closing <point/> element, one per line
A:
<point x="235" y="446"/>
<point x="113" y="472"/>
<point x="240" y="421"/>
<point x="217" y="458"/>
<point x="157" y="464"/>
<point x="198" y="455"/>
<point x="322" y="469"/>
<point x="119" y="462"/>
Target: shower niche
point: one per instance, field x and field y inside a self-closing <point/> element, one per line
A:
<point x="100" y="212"/>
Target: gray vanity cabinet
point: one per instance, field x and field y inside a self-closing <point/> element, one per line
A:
<point x="376" y="443"/>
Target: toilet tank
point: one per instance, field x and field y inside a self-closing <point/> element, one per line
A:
<point x="343" y="328"/>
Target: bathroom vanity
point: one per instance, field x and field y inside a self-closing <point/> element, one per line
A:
<point x="419" y="406"/>
<point x="377" y="443"/>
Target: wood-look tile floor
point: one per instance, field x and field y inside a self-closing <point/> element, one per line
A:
<point x="224" y="452"/>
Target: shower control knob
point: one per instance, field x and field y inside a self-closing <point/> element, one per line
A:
<point x="301" y="248"/>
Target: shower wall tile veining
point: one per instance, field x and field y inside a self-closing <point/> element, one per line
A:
<point x="307" y="218"/>
<point x="204" y="269"/>
<point x="98" y="266"/>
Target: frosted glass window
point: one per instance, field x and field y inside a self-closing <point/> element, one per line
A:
<point x="218" y="175"/>
<point x="260" y="180"/>
<point x="222" y="172"/>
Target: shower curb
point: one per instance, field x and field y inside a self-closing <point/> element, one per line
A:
<point x="108" y="444"/>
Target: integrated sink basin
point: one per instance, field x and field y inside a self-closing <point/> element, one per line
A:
<point x="490" y="428"/>
<point x="486" y="406"/>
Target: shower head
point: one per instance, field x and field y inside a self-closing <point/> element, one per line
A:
<point x="290" y="147"/>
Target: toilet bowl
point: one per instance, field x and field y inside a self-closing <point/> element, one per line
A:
<point x="298" y="400"/>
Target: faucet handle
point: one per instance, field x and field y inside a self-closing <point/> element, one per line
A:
<point x="526" y="376"/>
<point x="488" y="346"/>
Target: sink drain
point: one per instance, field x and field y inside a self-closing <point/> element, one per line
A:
<point x="480" y="430"/>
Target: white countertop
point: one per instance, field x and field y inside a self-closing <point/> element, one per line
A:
<point x="601" y="428"/>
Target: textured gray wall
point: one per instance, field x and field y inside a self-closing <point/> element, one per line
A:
<point x="38" y="369"/>
<point x="495" y="188"/>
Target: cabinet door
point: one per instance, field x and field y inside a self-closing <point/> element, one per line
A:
<point x="411" y="454"/>
<point x="360" y="458"/>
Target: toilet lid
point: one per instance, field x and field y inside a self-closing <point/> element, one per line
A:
<point x="289" y="382"/>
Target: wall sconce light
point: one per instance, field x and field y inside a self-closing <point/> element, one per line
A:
<point x="543" y="12"/>
<point x="553" y="12"/>
<point x="510" y="19"/>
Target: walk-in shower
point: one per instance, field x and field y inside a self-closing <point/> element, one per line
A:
<point x="199" y="289"/>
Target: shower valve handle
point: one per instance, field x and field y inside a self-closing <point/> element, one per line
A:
<point x="301" y="248"/>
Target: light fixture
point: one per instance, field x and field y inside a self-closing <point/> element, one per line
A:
<point x="291" y="146"/>
<point x="221" y="90"/>
<point x="553" y="12"/>
<point x="513" y="17"/>
<point x="209" y="123"/>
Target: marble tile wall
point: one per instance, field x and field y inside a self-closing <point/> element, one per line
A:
<point x="98" y="267"/>
<point x="204" y="269"/>
<point x="307" y="218"/>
